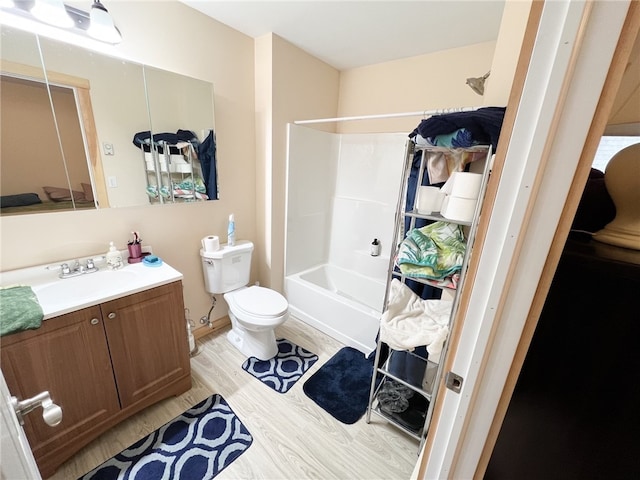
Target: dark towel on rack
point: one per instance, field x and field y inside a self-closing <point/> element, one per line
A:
<point x="209" y="165"/>
<point x="19" y="310"/>
<point x="484" y="124"/>
<point x="142" y="139"/>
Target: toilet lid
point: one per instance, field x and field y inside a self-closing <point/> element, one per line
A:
<point x="261" y="302"/>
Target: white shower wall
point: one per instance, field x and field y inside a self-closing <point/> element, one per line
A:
<point x="342" y="193"/>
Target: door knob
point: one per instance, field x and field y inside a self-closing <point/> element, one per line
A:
<point x="51" y="413"/>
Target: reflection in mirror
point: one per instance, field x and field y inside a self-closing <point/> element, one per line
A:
<point x="180" y="162"/>
<point x="113" y="104"/>
<point x="35" y="175"/>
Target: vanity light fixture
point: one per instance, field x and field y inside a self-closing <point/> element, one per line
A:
<point x="52" y="12"/>
<point x="97" y="23"/>
<point x="101" y="26"/>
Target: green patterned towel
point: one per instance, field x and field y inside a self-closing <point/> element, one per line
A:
<point x="434" y="252"/>
<point x="19" y="310"/>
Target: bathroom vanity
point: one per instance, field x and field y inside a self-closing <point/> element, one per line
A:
<point x="121" y="348"/>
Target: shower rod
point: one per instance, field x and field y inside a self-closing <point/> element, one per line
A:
<point x="424" y="113"/>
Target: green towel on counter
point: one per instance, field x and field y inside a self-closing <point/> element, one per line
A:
<point x="19" y="310"/>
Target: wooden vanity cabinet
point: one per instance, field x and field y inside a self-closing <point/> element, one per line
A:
<point x="69" y="357"/>
<point x="148" y="342"/>
<point x="100" y="364"/>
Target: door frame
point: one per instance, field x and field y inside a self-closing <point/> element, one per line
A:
<point x="573" y="69"/>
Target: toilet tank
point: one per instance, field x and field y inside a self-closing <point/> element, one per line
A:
<point x="228" y="268"/>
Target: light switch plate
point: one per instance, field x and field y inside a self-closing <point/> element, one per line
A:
<point x="107" y="148"/>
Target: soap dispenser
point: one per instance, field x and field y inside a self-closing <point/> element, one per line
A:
<point x="375" y="247"/>
<point x="114" y="258"/>
<point x="231" y="231"/>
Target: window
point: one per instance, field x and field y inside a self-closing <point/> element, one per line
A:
<point x="608" y="147"/>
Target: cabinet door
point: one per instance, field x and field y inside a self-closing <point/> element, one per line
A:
<point x="148" y="341"/>
<point x="68" y="356"/>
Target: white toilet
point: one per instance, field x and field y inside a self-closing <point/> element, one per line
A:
<point x="254" y="311"/>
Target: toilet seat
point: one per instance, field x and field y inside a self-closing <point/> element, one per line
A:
<point x="260" y="305"/>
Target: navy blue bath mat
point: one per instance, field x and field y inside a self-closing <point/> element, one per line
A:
<point x="283" y="370"/>
<point x="200" y="443"/>
<point x="341" y="386"/>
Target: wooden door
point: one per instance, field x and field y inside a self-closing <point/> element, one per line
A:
<point x="68" y="356"/>
<point x="147" y="338"/>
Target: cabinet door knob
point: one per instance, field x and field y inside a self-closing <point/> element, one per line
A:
<point x="112" y="315"/>
<point x="95" y="321"/>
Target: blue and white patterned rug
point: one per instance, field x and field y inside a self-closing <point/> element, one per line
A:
<point x="198" y="444"/>
<point x="283" y="370"/>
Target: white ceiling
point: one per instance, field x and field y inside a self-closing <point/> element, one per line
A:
<point x="349" y="34"/>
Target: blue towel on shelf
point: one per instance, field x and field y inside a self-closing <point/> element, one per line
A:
<point x="484" y="125"/>
<point x="19" y="310"/>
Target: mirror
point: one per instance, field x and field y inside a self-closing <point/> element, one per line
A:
<point x="30" y="166"/>
<point x="125" y="114"/>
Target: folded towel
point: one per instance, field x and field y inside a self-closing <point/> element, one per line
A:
<point x="433" y="252"/>
<point x="19" y="310"/>
<point x="410" y="321"/>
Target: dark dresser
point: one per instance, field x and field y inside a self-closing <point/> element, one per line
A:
<point x="575" y="411"/>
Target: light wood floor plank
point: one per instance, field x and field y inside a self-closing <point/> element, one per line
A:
<point x="293" y="437"/>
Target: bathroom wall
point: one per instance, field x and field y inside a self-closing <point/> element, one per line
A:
<point x="424" y="82"/>
<point x="512" y="27"/>
<point x="291" y="85"/>
<point x="171" y="36"/>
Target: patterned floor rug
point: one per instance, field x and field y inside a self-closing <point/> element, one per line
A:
<point x="200" y="443"/>
<point x="285" y="369"/>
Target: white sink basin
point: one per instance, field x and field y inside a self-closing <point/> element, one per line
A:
<point x="82" y="286"/>
<point x="58" y="296"/>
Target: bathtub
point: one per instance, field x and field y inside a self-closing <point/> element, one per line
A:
<point x="343" y="304"/>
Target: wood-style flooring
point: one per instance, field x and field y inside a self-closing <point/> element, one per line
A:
<point x="293" y="438"/>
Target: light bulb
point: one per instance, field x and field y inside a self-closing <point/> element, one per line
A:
<point x="101" y="26"/>
<point x="52" y="12"/>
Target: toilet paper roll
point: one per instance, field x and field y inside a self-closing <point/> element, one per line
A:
<point x="466" y="185"/>
<point x="459" y="209"/>
<point x="429" y="200"/>
<point x="211" y="243"/>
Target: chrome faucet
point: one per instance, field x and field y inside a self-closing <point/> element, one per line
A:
<point x="77" y="269"/>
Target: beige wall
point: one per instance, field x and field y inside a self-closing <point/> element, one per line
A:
<point x="294" y="86"/>
<point x="196" y="46"/>
<point x="413" y="84"/>
<point x="263" y="154"/>
<point x="505" y="59"/>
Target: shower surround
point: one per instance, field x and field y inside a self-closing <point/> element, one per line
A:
<point x="342" y="192"/>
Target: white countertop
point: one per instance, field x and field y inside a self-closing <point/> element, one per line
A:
<point x="59" y="296"/>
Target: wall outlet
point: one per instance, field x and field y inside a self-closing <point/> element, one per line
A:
<point x="112" y="181"/>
